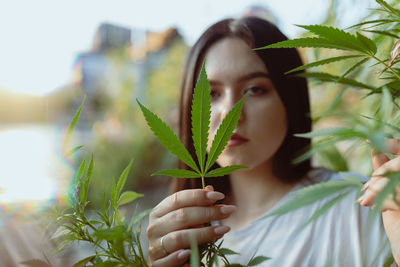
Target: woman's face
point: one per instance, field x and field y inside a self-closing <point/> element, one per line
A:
<point x="234" y="69"/>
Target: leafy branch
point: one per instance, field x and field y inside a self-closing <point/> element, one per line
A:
<point x="200" y="118"/>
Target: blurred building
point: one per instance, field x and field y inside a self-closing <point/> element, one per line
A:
<point x="110" y="36"/>
<point x="120" y="58"/>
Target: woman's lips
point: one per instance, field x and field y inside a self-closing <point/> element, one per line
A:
<point x="237" y="140"/>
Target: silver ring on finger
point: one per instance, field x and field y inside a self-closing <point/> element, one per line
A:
<point x="162" y="245"/>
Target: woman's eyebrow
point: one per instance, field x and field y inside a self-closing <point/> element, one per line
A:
<point x="243" y="78"/>
<point x="253" y="75"/>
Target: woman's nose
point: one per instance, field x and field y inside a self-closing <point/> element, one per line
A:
<point x="228" y="104"/>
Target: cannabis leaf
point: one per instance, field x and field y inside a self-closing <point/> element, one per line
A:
<point x="200" y="117"/>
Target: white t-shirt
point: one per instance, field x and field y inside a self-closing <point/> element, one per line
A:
<point x="343" y="236"/>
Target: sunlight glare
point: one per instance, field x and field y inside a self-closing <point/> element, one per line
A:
<point x="25" y="159"/>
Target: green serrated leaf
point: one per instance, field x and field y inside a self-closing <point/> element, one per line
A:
<point x="201" y="117"/>
<point x="322" y="210"/>
<point x="336" y="131"/>
<point x="72" y="125"/>
<point x="127" y="197"/>
<point x="338" y="36"/>
<point x="224" y="171"/>
<point x="167" y="137"/>
<point x="227" y="251"/>
<point x="307" y="42"/>
<point x="326" y="77"/>
<point x="178" y="173"/>
<point x="322" y="62"/>
<point x="391" y="126"/>
<point x="359" y="63"/>
<point x="386" y="105"/>
<point x="73" y="151"/>
<point x="391" y="10"/>
<point x="368" y="43"/>
<point x="85" y="186"/>
<point x="317" y="146"/>
<point x="351" y="178"/>
<point x="257" y="260"/>
<point x="61" y="231"/>
<point x="385" y="21"/>
<point x="332" y="158"/>
<point x="311" y="194"/>
<point x="122" y="178"/>
<point x="83" y="262"/>
<point x="224" y="133"/>
<point x="113" y="233"/>
<point x="387" y="33"/>
<point x="80" y="171"/>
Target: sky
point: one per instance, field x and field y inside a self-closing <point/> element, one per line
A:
<point x="40" y="39"/>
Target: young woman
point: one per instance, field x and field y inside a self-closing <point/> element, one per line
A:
<point x="276" y="108"/>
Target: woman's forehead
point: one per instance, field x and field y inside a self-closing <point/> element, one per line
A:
<point x="232" y="56"/>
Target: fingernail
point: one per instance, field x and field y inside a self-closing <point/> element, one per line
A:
<point x="209" y="188"/>
<point x="184" y="254"/>
<point x="365" y="186"/>
<point x="227" y="209"/>
<point x="360" y="199"/>
<point x="213" y="195"/>
<point x="220" y="230"/>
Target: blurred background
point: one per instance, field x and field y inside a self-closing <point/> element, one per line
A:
<point x="54" y="53"/>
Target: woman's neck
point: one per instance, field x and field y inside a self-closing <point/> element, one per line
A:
<point x="254" y="192"/>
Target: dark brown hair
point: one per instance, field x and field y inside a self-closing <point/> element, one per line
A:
<point x="292" y="90"/>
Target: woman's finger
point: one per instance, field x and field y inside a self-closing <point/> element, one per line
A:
<point x="378" y="159"/>
<point x="375" y="185"/>
<point x="189" y="217"/>
<point x="392" y="165"/>
<point x="181" y="239"/>
<point x="177" y="258"/>
<point x="392" y="146"/>
<point x="186" y="198"/>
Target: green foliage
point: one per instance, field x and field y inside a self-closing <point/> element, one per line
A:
<point x="313" y="193"/>
<point x="114" y="239"/>
<point x="209" y="253"/>
<point x="167" y="137"/>
<point x="70" y="130"/>
<point x="201" y="117"/>
<point x="201" y="110"/>
<point x="368" y="122"/>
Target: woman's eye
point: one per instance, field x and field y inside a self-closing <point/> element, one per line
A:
<point x="256" y="90"/>
<point x="214" y="94"/>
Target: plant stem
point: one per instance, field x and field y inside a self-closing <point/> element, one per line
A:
<point x="202" y="181"/>
<point x="387" y="66"/>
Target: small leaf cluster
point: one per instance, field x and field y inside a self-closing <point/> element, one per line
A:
<point x="114" y="239"/>
<point x="356" y="46"/>
<point x="210" y="253"/>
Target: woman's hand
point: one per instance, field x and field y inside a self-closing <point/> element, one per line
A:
<point x="177" y="218"/>
<point x="391" y="206"/>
